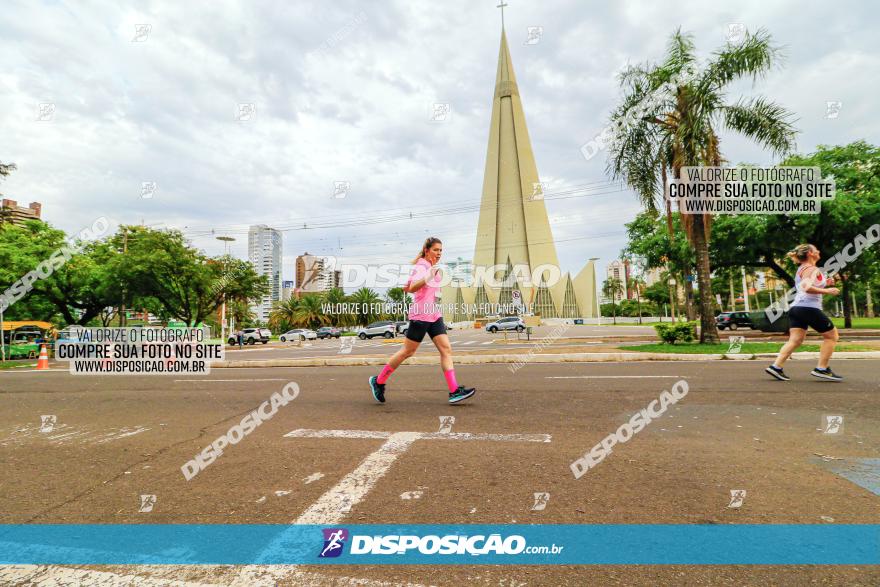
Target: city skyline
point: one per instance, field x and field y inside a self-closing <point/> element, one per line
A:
<point x="323" y="147"/>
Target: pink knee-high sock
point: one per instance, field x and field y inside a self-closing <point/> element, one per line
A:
<point x="450" y="380"/>
<point x="384" y="374"/>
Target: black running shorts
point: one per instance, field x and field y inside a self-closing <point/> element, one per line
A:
<point x="802" y="317"/>
<point x="418" y="328"/>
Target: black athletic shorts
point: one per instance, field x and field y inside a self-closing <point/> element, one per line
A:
<point x="418" y="328"/>
<point x="802" y="317"/>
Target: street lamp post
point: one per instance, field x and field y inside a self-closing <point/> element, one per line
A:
<point x="596" y="287"/>
<point x="226" y="240"/>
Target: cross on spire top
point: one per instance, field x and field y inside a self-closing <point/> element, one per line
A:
<point x="501" y="6"/>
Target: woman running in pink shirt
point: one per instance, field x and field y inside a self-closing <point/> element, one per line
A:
<point x="424" y="318"/>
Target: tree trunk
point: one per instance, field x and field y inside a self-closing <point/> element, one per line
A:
<point x="708" y="331"/>
<point x="732" y="295"/>
<point x="869" y="302"/>
<point x="847" y="304"/>
<point x="688" y="298"/>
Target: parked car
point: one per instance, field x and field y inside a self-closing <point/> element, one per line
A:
<point x="384" y="328"/>
<point x="401" y="327"/>
<point x="298" y="334"/>
<point x="510" y="323"/>
<point x="329" y="332"/>
<point x="734" y="320"/>
<point x="251" y="336"/>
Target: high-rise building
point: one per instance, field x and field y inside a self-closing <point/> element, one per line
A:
<point x="315" y="274"/>
<point x="620" y="269"/>
<point x="264" y="252"/>
<point x="513" y="231"/>
<point x="11" y="212"/>
<point x="287" y="288"/>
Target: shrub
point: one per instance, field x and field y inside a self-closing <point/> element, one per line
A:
<point x="676" y="331"/>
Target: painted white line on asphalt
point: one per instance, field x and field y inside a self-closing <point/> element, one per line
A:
<point x="303" y="433"/>
<point x="225" y="380"/>
<point x="613" y="377"/>
<point x="334" y="505"/>
<point x="251" y="575"/>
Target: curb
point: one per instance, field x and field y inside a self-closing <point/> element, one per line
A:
<point x="518" y="359"/>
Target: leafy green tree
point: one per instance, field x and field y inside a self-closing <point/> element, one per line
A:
<point x="668" y="118"/>
<point x="80" y="285"/>
<point x="160" y="265"/>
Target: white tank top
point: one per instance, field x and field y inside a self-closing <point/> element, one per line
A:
<point x="808" y="300"/>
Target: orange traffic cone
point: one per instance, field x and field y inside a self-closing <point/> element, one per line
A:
<point x="43" y="361"/>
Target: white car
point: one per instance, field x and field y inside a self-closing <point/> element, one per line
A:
<point x="385" y="328"/>
<point x="298" y="334"/>
<point x="510" y="323"/>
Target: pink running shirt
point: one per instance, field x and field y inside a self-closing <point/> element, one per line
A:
<point x="425" y="306"/>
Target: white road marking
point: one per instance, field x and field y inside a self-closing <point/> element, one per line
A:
<point x="224" y="380"/>
<point x="614" y="377"/>
<point x="252" y="575"/>
<point x="352" y="488"/>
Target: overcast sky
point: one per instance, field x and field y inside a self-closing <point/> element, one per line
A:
<point x="343" y="91"/>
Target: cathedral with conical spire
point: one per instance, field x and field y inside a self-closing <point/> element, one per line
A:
<point x="515" y="247"/>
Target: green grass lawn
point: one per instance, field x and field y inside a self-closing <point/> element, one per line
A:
<point x="859" y="322"/>
<point x="747" y="348"/>
<point x="14" y="363"/>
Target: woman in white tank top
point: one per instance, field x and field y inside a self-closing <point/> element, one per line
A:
<point x="806" y="311"/>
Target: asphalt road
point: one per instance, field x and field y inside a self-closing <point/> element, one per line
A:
<point x="116" y="438"/>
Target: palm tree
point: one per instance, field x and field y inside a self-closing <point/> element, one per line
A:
<point x="336" y="298"/>
<point x="309" y="312"/>
<point x="396" y="296"/>
<point x="638" y="285"/>
<point x="611" y="288"/>
<point x="668" y="118"/>
<point x="283" y="315"/>
<point x="367" y="301"/>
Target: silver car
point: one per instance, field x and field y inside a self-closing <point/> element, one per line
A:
<point x="385" y="328"/>
<point x="510" y="323"/>
<point x="298" y="334"/>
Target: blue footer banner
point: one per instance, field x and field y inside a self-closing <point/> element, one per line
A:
<point x="540" y="544"/>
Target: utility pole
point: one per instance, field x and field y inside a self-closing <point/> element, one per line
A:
<point x="124" y="251"/>
<point x="226" y="240"/>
